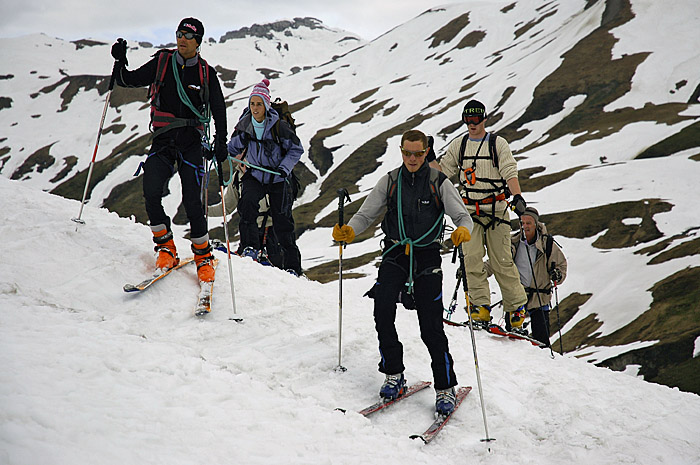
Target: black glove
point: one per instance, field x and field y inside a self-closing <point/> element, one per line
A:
<point x="555" y="275"/>
<point x="283" y="174"/>
<point x="518" y="204"/>
<point x="431" y="153"/>
<point x="119" y="52"/>
<point x="220" y="148"/>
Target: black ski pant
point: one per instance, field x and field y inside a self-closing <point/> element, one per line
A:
<point x="159" y="167"/>
<point x="427" y="293"/>
<point x="281" y="200"/>
<point x="539" y="320"/>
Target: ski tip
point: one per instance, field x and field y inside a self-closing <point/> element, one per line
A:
<point x="130" y="288"/>
<point x="237" y="319"/>
<point x="418" y="436"/>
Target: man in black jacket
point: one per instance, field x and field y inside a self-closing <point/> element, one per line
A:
<point x="184" y="91"/>
<point x="417" y="198"/>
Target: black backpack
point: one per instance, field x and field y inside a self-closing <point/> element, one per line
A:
<point x="282" y="109"/>
<point x="285" y="123"/>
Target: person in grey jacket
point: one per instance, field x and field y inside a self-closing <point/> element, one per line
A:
<point x="269" y="146"/>
<point x="416" y="198"/>
<point x="540" y="262"/>
<point x="548" y="264"/>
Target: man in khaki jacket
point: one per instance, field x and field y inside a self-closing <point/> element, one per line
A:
<point x="486" y="170"/>
<point x="548" y="263"/>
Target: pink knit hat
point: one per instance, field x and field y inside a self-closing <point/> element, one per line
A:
<point x="261" y="90"/>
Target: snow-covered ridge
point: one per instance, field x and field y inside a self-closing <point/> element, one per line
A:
<point x="91" y="374"/>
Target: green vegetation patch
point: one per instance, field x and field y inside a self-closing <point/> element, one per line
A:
<point x="530" y="184"/>
<point x="5" y="102"/>
<point x="364" y="95"/>
<point x="589" y="222"/>
<point x="523" y="29"/>
<point x="69" y="163"/>
<point x="568" y="308"/>
<point x="686" y="138"/>
<point x="126" y="95"/>
<point x="320" y="84"/>
<point x="75" y="83"/>
<point x="685" y="249"/>
<point x="471" y="40"/>
<point x="38" y="161"/>
<point x="449" y="31"/>
<point x="673" y="319"/>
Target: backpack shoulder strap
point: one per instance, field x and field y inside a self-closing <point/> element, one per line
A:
<point x="549" y="241"/>
<point x="462" y="150"/>
<point x="204" y="80"/>
<point x="393" y="176"/>
<point x="161" y="68"/>
<point x="435" y="186"/>
<point x="492" y="149"/>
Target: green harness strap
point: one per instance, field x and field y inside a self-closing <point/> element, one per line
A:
<point x="205" y="118"/>
<point x="405" y="240"/>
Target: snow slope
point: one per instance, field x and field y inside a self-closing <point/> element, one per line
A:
<point x="93" y="375"/>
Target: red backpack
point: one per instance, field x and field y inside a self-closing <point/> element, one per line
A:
<point x="162" y="121"/>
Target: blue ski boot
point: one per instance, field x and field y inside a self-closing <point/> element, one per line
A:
<point x="445" y="400"/>
<point x="393" y="387"/>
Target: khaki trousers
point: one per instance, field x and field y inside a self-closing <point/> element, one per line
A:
<point x="495" y="242"/>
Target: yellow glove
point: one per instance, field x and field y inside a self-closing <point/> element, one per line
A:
<point x="460" y="235"/>
<point x="344" y="233"/>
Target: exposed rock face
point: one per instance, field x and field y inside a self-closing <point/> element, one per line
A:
<point x="264" y="31"/>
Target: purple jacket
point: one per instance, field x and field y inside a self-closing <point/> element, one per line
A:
<point x="267" y="152"/>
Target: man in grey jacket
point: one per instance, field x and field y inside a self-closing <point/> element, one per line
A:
<point x="540" y="262"/>
<point x="416" y="198"/>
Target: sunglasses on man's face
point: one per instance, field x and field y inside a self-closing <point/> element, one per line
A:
<point x="416" y="153"/>
<point x="473" y="119"/>
<point x="186" y="35"/>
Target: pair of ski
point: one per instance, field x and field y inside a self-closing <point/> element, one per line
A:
<point x="203" y="306"/>
<point x="441" y="420"/>
<point x="492" y="328"/>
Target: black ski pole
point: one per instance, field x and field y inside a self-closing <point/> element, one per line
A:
<point x="79" y="219"/>
<point x="342" y="195"/>
<point x="453" y="303"/>
<point x="556" y="299"/>
<point x="471" y="331"/>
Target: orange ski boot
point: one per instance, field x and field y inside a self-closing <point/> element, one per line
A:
<point x="165" y="246"/>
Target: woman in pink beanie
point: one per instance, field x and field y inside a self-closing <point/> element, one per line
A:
<point x="277" y="151"/>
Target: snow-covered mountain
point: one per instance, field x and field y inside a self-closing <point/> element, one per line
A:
<point x="598" y="100"/>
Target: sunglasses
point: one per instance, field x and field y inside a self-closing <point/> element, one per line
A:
<point x="473" y="119"/>
<point x="186" y="35"/>
<point x="416" y="153"/>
